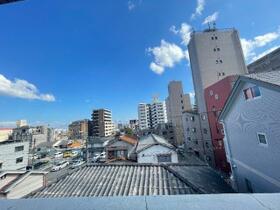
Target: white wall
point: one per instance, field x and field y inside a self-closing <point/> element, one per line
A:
<point x="8" y="156"/>
<point x="150" y="155"/>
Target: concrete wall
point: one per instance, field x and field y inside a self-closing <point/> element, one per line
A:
<point x="249" y="159"/>
<point x="205" y="69"/>
<point x="8" y="155"/>
<point x="150" y="155"/>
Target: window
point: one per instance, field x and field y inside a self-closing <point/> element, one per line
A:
<point x="1" y="164"/>
<point x="164" y="158"/>
<point x="192" y="118"/>
<point x="252" y="92"/>
<point x="19" y="148"/>
<point x="205" y="131"/>
<point x="187" y="119"/>
<point x="218" y="49"/>
<point x="203" y="117"/>
<point x="188" y="129"/>
<point x="194" y="130"/>
<point x="189" y="138"/>
<point x="211" y="92"/>
<point x="216" y="37"/>
<point x="19" y="160"/>
<point x="262" y="138"/>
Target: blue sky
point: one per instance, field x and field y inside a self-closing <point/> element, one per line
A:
<point x="61" y="59"/>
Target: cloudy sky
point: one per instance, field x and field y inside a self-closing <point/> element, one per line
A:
<point x="61" y="59"/>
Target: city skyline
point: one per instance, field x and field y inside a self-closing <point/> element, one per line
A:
<point x="65" y="73"/>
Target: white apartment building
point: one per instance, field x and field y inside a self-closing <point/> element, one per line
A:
<point x="151" y="115"/>
<point x="176" y="103"/>
<point x="214" y="54"/>
<point x="144" y="116"/>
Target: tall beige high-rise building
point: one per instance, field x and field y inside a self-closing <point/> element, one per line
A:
<point x="102" y="125"/>
<point x="214" y="55"/>
<point x="176" y="103"/>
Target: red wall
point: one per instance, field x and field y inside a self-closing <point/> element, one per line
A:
<point x="214" y="106"/>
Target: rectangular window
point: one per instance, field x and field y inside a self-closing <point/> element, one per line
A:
<point x="19" y="160"/>
<point x="1" y="164"/>
<point x="252" y="92"/>
<point x="192" y="118"/>
<point x="164" y="158"/>
<point x="194" y="130"/>
<point x="262" y="138"/>
<point x="19" y="148"/>
<point x="205" y="131"/>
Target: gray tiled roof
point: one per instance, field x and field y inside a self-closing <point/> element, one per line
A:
<point x="150" y="140"/>
<point x="117" y="180"/>
<point x="272" y="77"/>
<point x="203" y="178"/>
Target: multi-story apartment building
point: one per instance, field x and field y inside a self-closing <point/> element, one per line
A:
<point x="269" y="62"/>
<point x="166" y="130"/>
<point x="197" y="136"/>
<point x="14" y="155"/>
<point x="79" y="129"/>
<point x="176" y="103"/>
<point x="214" y="54"/>
<point x="102" y="125"/>
<point x="251" y="126"/>
<point x="158" y="113"/>
<point x="144" y="116"/>
<point x="215" y="98"/>
<point x="151" y="115"/>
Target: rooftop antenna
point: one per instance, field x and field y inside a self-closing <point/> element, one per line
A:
<point x="214" y="25"/>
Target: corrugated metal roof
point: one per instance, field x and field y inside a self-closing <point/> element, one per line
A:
<point x="202" y="178"/>
<point x="117" y="180"/>
<point x="272" y="77"/>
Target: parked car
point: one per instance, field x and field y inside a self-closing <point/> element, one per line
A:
<point x="99" y="157"/>
<point x="95" y="157"/>
<point x="58" y="155"/>
<point x="60" y="166"/>
<point x="67" y="154"/>
<point x="40" y="164"/>
<point x="77" y="163"/>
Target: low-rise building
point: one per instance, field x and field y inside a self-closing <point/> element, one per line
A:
<point x="155" y="149"/>
<point x="118" y="148"/>
<point x="14" y="155"/>
<point x="17" y="184"/>
<point x="5" y="133"/>
<point x="251" y="126"/>
<point x="79" y="129"/>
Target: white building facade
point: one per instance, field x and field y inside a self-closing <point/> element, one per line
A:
<point x="251" y="121"/>
<point x="14" y="155"/>
<point x="151" y="115"/>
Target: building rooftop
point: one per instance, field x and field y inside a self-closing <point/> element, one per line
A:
<point x="190" y="202"/>
<point x="151" y="140"/>
<point x="272" y="77"/>
<point x="134" y="180"/>
<point x="13" y="178"/>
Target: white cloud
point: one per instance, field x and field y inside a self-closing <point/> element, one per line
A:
<point x="184" y="32"/>
<point x="199" y="9"/>
<point x="250" y="45"/>
<point x="22" y="89"/>
<point x="131" y="5"/>
<point x="166" y="56"/>
<point x="211" y="18"/>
